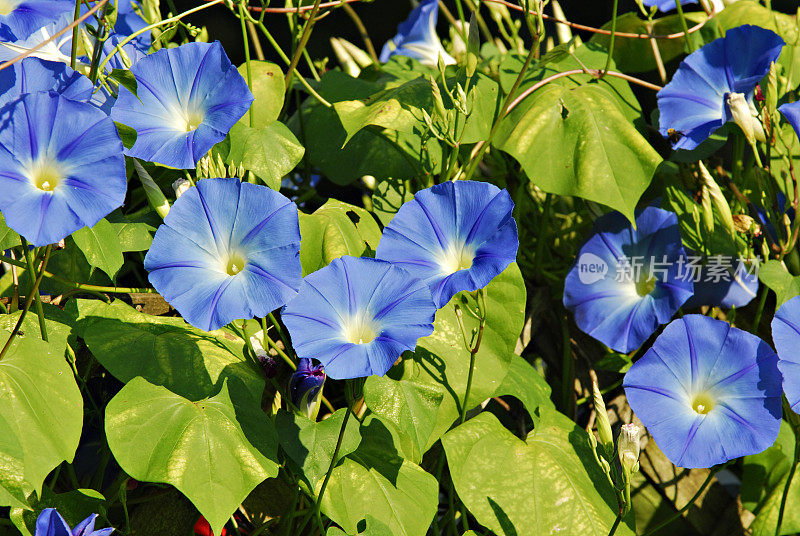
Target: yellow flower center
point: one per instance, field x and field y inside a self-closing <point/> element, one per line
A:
<point x="456" y="257"/>
<point x="45" y="174"/>
<point x="236" y="263"/>
<point x="703" y="403"/>
<point x="645" y="284"/>
<point x="360" y="330"/>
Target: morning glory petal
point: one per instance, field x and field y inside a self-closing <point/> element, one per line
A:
<point x="737" y="290"/>
<point x="693" y="104"/>
<point x="707" y="392"/>
<point x="32" y="75"/>
<point x="416" y="37"/>
<point x="357" y="315"/>
<point x="786" y="336"/>
<point x="456" y="236"/>
<point x="626" y="282"/>
<point x="23" y="17"/>
<point x="227" y="250"/>
<point x="791" y="111"/>
<point x="666" y="5"/>
<point x="188" y="99"/>
<point x="50" y="523"/>
<point x="61" y="167"/>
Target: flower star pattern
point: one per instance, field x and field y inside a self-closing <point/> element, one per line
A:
<point x="227" y="250"/>
<point x="455" y="236"/>
<point x="626" y="281"/>
<point x="707" y="392"/>
<point x="188" y="99"/>
<point x="357" y="315"/>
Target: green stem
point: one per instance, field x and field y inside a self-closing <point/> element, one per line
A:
<point x="32" y="274"/>
<point x="285" y="58"/>
<point x="761" y="302"/>
<point x="334" y="459"/>
<point x="473" y="165"/>
<point x="81" y="286"/>
<point x="696" y="496"/>
<point x="686" y="35"/>
<point x="567" y="370"/>
<point x="28" y="301"/>
<point x="616" y="524"/>
<point x="613" y="35"/>
<point x="246" y="41"/>
<point x="73" y="57"/>
<point x="302" y="44"/>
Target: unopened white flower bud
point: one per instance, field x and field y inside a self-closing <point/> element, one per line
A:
<point x="628" y="447"/>
<point x="180" y="186"/>
<point x="745" y="116"/>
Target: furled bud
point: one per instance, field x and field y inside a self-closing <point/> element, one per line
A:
<point x="771" y="93"/>
<point x="744" y="114"/>
<point x="305" y="387"/>
<point x="438" y="103"/>
<point x="603" y="426"/>
<point x="628" y="447"/>
<point x="180" y="186"/>
<point x="345" y="59"/>
<point x="718" y="201"/>
<point x="155" y="196"/>
<point x="473" y="46"/>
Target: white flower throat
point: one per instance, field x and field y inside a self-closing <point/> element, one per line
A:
<point x="360" y="329"/>
<point x="456" y="257"/>
<point x="45" y="173"/>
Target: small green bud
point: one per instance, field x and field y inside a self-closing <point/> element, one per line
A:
<point x="717" y="199"/>
<point x="155" y="196"/>
<point x="771" y="91"/>
<point x="473" y="46"/>
<point x="603" y="426"/>
<point x="437" y="99"/>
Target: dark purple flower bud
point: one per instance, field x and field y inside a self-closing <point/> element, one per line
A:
<point x="268" y="364"/>
<point x="305" y="387"/>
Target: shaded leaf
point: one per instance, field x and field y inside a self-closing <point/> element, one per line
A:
<point x="215" y="451"/>
<point x="165" y="351"/>
<point x="100" y="245"/>
<point x="565" y="491"/>
<point x="41" y="416"/>
<point x="333" y="230"/>
<point x="268" y="89"/>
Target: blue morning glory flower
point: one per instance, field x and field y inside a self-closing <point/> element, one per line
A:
<point x="357" y="315"/>
<point x="51" y="523"/>
<point x="713" y="84"/>
<point x="455" y="236"/>
<point x="666" y="5"/>
<point x="61" y="167"/>
<point x="416" y="37"/>
<point x="32" y="75"/>
<point x="627" y="282"/>
<point x="707" y="392"/>
<point x="23" y="17"/>
<point x="188" y="99"/>
<point x="305" y="386"/>
<point x="786" y="336"/>
<point x="227" y="250"/>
